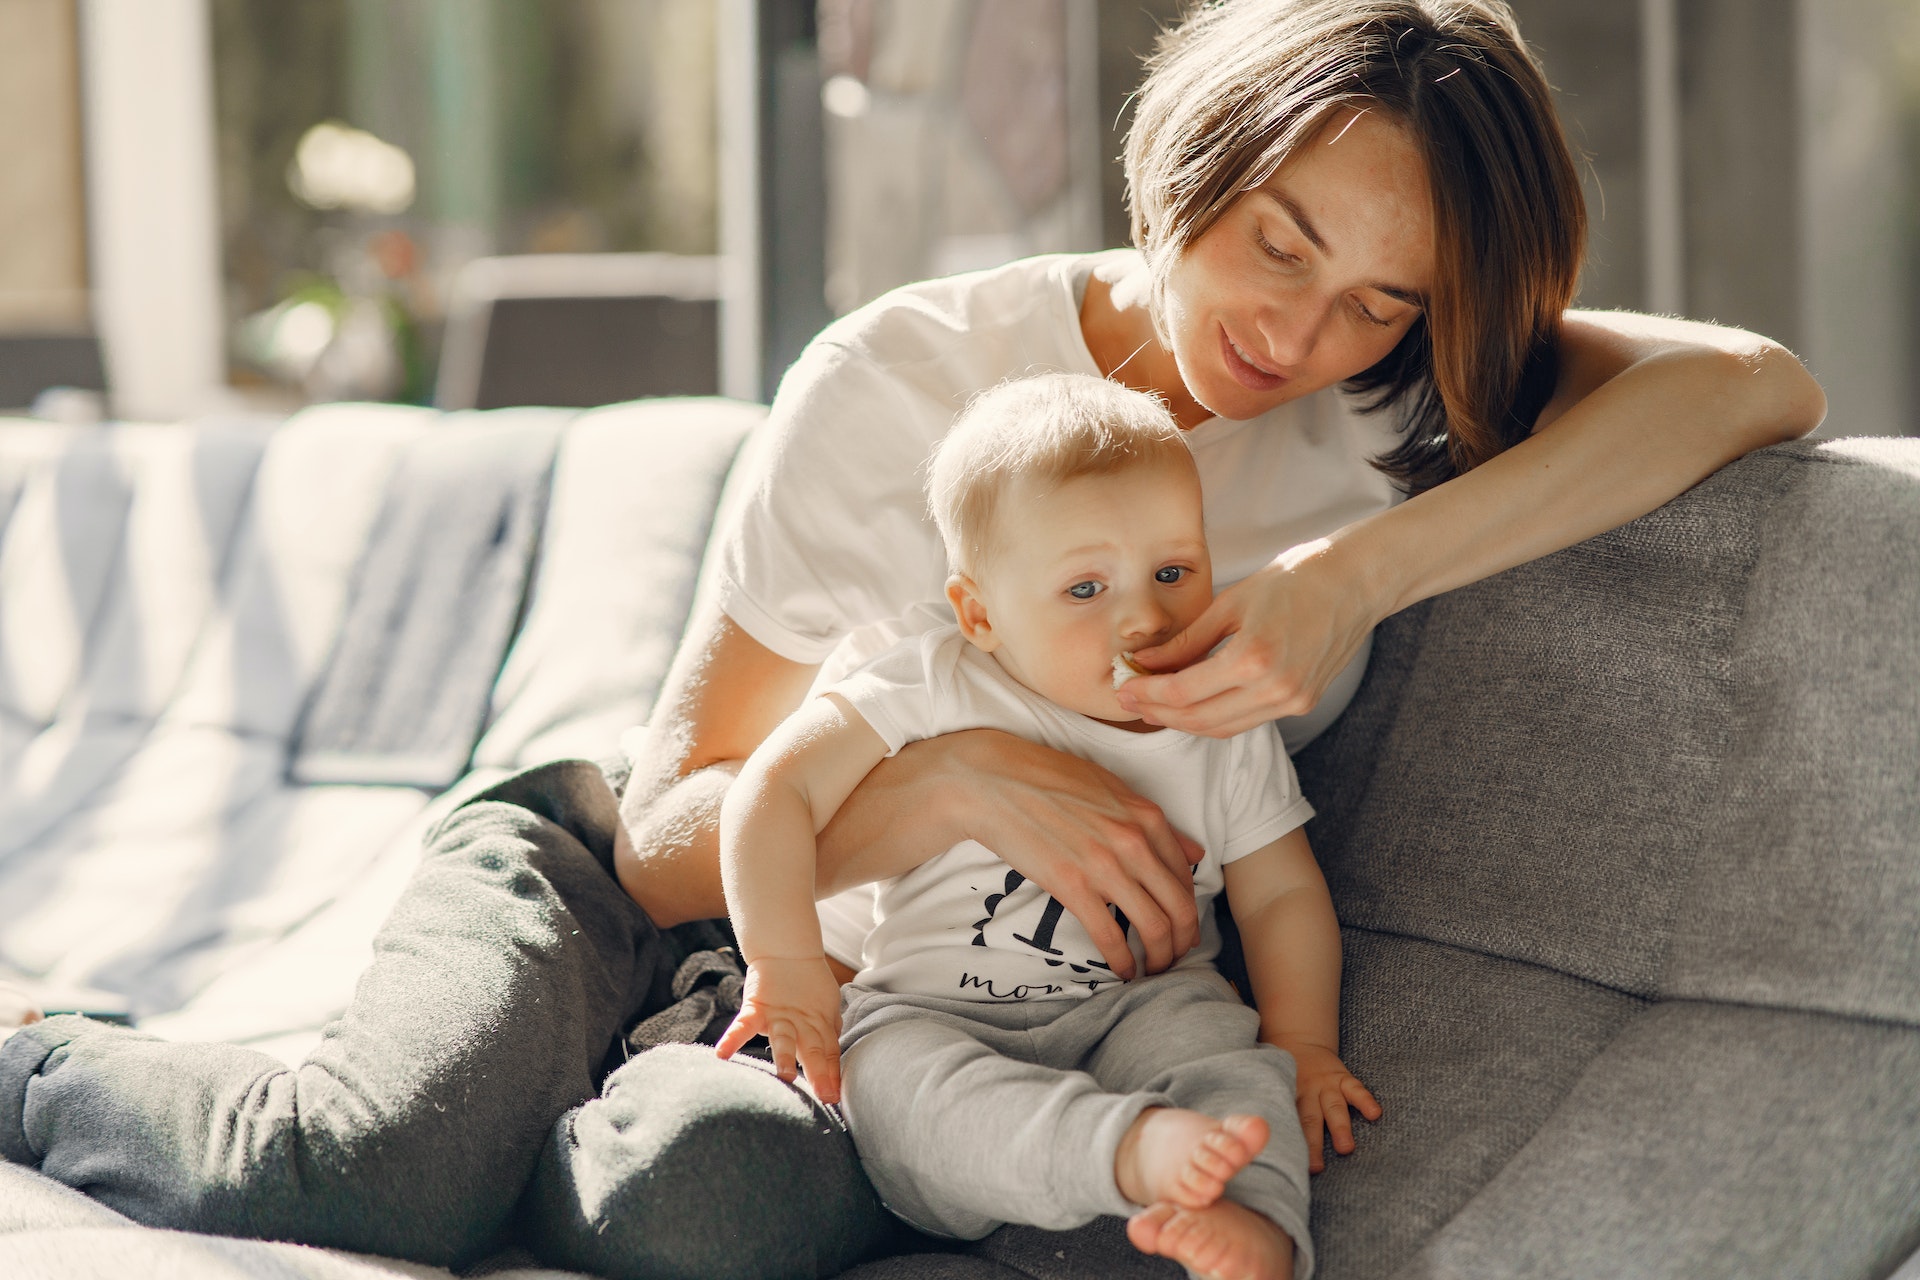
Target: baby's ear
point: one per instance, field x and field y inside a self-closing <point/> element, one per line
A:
<point x="970" y="611"/>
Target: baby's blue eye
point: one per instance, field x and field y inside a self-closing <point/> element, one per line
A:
<point x="1085" y="590"/>
<point x="1171" y="574"/>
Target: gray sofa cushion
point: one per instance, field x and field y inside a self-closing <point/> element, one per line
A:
<point x="1805" y="890"/>
<point x="1469" y="1055"/>
<point x="1674" y="764"/>
<point x="1706" y="1141"/>
<point x="1555" y="753"/>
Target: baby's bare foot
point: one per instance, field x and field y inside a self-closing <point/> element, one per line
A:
<point x="1224" y="1241"/>
<point x="1184" y="1157"/>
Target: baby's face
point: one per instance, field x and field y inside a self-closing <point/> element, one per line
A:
<point x="1101" y="565"/>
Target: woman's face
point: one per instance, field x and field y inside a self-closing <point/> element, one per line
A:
<point x="1309" y="278"/>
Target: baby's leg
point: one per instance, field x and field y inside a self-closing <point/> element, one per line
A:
<point x="1189" y="1037"/>
<point x="958" y="1139"/>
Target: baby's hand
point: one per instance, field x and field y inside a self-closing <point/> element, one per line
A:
<point x="1324" y="1091"/>
<point x="795" y="1004"/>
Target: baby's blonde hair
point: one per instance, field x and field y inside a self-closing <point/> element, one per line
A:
<point x="1050" y="428"/>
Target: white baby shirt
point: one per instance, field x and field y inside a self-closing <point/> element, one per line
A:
<point x="963" y="924"/>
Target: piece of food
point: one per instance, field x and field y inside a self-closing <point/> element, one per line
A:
<point x="1125" y="669"/>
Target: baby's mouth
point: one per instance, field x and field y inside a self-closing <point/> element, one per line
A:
<point x="1125" y="669"/>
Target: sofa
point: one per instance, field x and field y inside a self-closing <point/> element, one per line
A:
<point x="1625" y="842"/>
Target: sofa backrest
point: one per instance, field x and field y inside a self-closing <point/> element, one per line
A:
<point x="315" y="498"/>
<point x="189" y="486"/>
<point x="203" y="577"/>
<point x="69" y="497"/>
<point x="634" y="492"/>
<point x="1681" y="760"/>
<point x="1805" y="892"/>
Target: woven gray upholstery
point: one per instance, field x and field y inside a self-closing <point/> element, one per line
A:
<point x="1616" y="835"/>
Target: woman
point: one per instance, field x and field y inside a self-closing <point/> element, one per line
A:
<point x="1373" y="195"/>
<point x="1322" y="194"/>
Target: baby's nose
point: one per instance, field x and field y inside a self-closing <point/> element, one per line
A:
<point x="1146" y="624"/>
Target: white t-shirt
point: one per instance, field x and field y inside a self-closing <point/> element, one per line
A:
<point x="966" y="926"/>
<point x="830" y="557"/>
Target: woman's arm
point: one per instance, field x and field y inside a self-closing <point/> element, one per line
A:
<point x="1645" y="408"/>
<point x="723" y="695"/>
<point x="1068" y="825"/>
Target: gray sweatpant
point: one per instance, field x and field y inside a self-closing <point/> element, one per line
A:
<point x="457" y="1104"/>
<point x="969" y="1115"/>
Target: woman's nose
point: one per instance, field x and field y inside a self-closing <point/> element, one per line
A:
<point x="1292" y="327"/>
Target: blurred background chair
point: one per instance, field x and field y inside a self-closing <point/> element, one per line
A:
<point x="580" y="330"/>
<point x="33" y="364"/>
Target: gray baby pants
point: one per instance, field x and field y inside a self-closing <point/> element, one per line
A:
<point x="968" y="1115"/>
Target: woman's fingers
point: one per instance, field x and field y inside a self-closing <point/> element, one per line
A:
<point x="1233" y="711"/>
<point x="1154" y="886"/>
<point x="1139" y="876"/>
<point x="1237" y="667"/>
<point x="1090" y="909"/>
<point x="1079" y="832"/>
<point x="1220" y="620"/>
<point x="1288" y="630"/>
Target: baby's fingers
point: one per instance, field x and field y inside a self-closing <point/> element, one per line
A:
<point x="744" y="1027"/>
<point x="781" y="1040"/>
<point x="1312" y="1126"/>
<point x="822" y="1061"/>
<point x="1361" y="1098"/>
<point x="1339" y="1124"/>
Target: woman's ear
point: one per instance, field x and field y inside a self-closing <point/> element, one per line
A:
<point x="970" y="611"/>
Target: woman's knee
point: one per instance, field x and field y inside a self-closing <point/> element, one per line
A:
<point x="690" y="1166"/>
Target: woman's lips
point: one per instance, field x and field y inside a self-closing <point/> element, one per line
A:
<point x="1246" y="373"/>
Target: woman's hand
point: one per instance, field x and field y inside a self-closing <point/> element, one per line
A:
<point x="1288" y="631"/>
<point x="1088" y="839"/>
<point x="1064" y="823"/>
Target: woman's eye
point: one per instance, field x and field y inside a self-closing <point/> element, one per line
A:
<point x="1085" y="590"/>
<point x="1360" y="308"/>
<point x="1171" y="574"/>
<point x="1267" y="247"/>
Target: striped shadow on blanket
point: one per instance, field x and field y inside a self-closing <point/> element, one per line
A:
<point x="434" y="606"/>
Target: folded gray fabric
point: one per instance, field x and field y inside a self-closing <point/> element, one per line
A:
<point x="438" y="595"/>
<point x="706" y="995"/>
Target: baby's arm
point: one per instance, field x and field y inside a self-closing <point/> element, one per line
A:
<point x="1292" y="944"/>
<point x="790" y="788"/>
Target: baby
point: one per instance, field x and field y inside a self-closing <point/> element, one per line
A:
<point x="990" y="1066"/>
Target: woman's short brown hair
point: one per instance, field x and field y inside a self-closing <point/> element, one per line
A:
<point x="1236" y="87"/>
